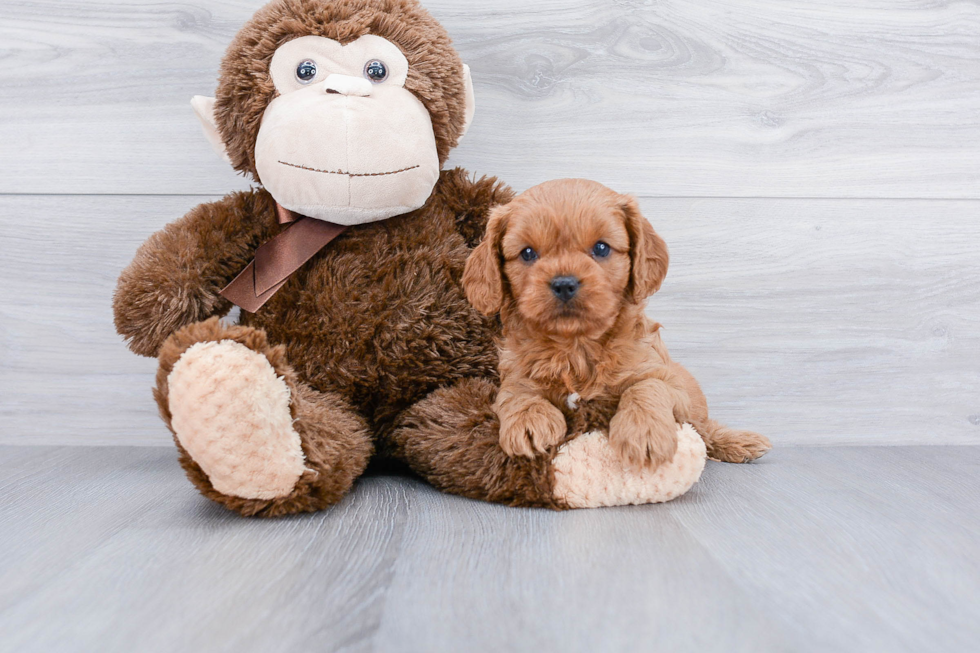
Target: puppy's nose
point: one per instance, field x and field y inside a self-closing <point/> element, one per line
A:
<point x="565" y="287"/>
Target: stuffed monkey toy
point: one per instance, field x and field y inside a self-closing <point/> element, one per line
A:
<point x="355" y="337"/>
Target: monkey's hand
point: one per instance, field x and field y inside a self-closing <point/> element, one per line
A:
<point x="177" y="274"/>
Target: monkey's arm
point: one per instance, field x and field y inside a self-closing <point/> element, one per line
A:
<point x="470" y="200"/>
<point x="176" y="275"/>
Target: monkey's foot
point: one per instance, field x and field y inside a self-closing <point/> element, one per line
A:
<point x="589" y="474"/>
<point x="231" y="413"/>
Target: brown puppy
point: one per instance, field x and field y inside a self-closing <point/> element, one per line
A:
<point x="569" y="265"/>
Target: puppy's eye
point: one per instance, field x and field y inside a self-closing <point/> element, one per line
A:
<point x="528" y="254"/>
<point x="601" y="250"/>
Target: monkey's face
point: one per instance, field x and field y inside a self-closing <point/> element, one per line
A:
<point x="341" y="138"/>
<point x="344" y="140"/>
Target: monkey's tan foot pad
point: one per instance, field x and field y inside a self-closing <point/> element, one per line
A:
<point x="588" y="474"/>
<point x="231" y="413"/>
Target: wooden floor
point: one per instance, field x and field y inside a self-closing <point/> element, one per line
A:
<point x="810" y="549"/>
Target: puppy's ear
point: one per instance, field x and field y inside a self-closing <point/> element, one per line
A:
<point x="483" y="277"/>
<point x="648" y="252"/>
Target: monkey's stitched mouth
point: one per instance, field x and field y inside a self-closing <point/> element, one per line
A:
<point x="349" y="174"/>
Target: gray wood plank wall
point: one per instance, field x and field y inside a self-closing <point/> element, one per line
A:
<point x="814" y="167"/>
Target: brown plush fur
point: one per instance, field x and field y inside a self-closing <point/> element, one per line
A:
<point x="333" y="436"/>
<point x="373" y="336"/>
<point x="370" y="326"/>
<point x="245" y="88"/>
<point x="450" y="438"/>
<point x="599" y="344"/>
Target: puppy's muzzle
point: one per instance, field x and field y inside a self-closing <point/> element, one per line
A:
<point x="564" y="288"/>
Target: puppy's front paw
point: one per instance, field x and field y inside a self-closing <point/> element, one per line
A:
<point x="539" y="426"/>
<point x="643" y="439"/>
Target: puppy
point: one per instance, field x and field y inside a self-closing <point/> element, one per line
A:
<point x="569" y="265"/>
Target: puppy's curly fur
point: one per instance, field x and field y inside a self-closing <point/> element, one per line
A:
<point x="591" y="341"/>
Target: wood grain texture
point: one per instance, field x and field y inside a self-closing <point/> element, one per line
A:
<point x="819" y="527"/>
<point x="813" y="321"/>
<point x="867" y="98"/>
<point x="593" y="580"/>
<point x="811" y="549"/>
<point x="113" y="542"/>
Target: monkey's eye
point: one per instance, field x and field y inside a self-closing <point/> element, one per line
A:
<point x="529" y="255"/>
<point x="306" y="71"/>
<point x="376" y="71"/>
<point x="601" y="250"/>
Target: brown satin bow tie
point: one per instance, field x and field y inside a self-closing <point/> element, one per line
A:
<point x="278" y="258"/>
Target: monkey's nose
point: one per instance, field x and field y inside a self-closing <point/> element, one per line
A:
<point x="347" y="85"/>
<point x="565" y="287"/>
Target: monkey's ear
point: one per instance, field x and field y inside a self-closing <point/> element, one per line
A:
<point x="470" y="108"/>
<point x="204" y="108"/>
<point x="648" y="252"/>
<point x="483" y="279"/>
